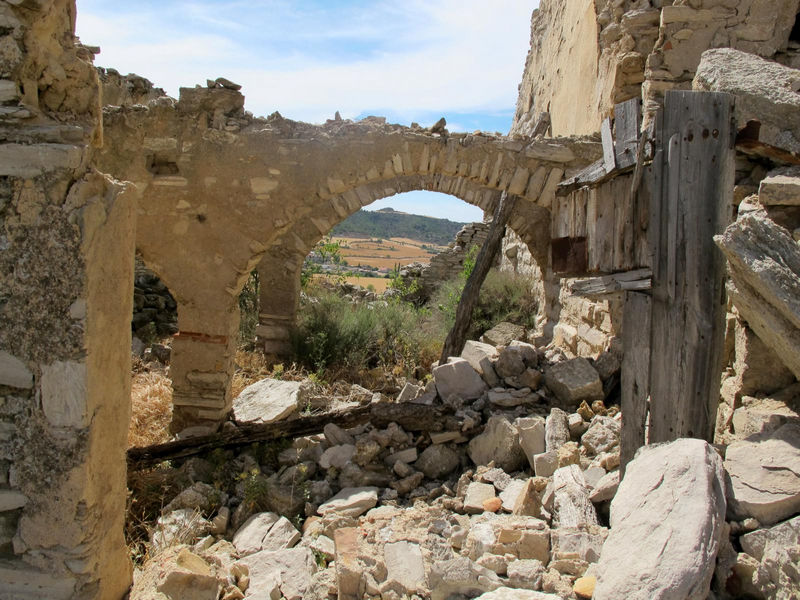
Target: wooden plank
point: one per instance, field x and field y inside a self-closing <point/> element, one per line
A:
<point x="688" y="310"/>
<point x="609" y="160"/>
<point x="623" y="224"/>
<point x="635" y="376"/>
<point x="603" y="242"/>
<point x="628" y="118"/>
<point x="638" y="279"/>
<point x="581" y="197"/>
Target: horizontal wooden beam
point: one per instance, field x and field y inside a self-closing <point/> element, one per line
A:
<point x="637" y="280"/>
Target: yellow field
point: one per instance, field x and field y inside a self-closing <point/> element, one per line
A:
<point x="379" y="283"/>
<point x="384" y="254"/>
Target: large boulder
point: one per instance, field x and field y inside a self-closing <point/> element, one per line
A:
<point x="765" y="475"/>
<point x="765" y="91"/>
<point x="667" y="519"/>
<point x="480" y="356"/>
<point x="503" y="334"/>
<point x="458" y="378"/>
<point x="499" y="442"/>
<point x="574" y="380"/>
<point x="288" y="571"/>
<point x="269" y="400"/>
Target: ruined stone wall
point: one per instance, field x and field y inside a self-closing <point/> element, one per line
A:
<point x="126" y="90"/>
<point x="66" y="272"/>
<point x="586" y="56"/>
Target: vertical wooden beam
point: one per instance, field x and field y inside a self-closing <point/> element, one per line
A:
<point x="635" y="382"/>
<point x="688" y="313"/>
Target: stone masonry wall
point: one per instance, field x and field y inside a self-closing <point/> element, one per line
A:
<point x="66" y="273"/>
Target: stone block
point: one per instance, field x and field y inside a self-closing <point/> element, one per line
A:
<point x="477" y="494"/>
<point x="405" y="567"/>
<point x="351" y="502"/>
<point x="764" y="482"/>
<point x="531" y="436"/>
<point x="780" y="187"/>
<point x="28" y="161"/>
<point x="458" y="378"/>
<point x="544" y="465"/>
<point x="269" y="400"/>
<point x="13" y="372"/>
<point x="499" y="442"/>
<point x="574" y="380"/>
<point x="64" y="394"/>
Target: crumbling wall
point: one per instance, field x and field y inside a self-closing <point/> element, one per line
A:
<point x="126" y="90"/>
<point x="66" y="272"/>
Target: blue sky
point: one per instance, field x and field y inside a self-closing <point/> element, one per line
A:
<point x="408" y="60"/>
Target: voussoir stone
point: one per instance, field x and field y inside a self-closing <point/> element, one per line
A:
<point x="458" y="378"/>
<point x="764" y="473"/>
<point x="269" y="400"/>
<point x="667" y="520"/>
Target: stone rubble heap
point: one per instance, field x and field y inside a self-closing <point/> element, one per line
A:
<point x="516" y="495"/>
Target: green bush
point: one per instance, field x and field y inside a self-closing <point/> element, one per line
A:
<point x="503" y="297"/>
<point x="332" y="332"/>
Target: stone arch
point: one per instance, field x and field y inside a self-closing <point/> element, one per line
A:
<point x="279" y="269"/>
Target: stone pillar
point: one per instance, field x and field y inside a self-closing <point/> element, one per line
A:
<point x="202" y="365"/>
<point x="279" y="277"/>
<point x="66" y="283"/>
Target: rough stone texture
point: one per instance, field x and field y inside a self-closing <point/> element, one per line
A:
<point x="265" y="531"/>
<point x="573" y="509"/>
<point x="574" y="380"/>
<point x="499" y="442"/>
<point x="602" y="435"/>
<point x="764" y="475"/>
<point x="775" y="550"/>
<point x="764" y="263"/>
<point x="780" y="187"/>
<point x="666" y="520"/>
<point x="477" y="494"/>
<point x="606" y="488"/>
<point x="405" y="566"/>
<point x="503" y="334"/>
<point x="437" y="461"/>
<point x="269" y="400"/>
<point x="531" y="436"/>
<point x="764" y="91"/>
<point x="13" y="372"/>
<point x="461" y="576"/>
<point x="290" y="569"/>
<point x="351" y="502"/>
<point x="479" y="356"/>
<point x="458" y="378"/>
<point x="556" y="430"/>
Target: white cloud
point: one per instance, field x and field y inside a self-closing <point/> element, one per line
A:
<point x="457" y="55"/>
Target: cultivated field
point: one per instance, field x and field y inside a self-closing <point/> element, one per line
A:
<point x="384" y="254"/>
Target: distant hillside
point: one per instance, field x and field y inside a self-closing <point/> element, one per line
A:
<point x="388" y="223"/>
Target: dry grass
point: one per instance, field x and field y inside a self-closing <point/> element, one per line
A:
<point x="151" y="408"/>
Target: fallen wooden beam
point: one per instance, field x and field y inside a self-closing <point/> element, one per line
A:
<point x="628" y="281"/>
<point x="764" y="265"/>
<point x="411" y="417"/>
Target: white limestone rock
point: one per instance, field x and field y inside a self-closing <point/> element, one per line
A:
<point x="351" y="502"/>
<point x="556" y="430"/>
<point x="525" y="573"/>
<point x="480" y="357"/>
<point x="337" y="456"/>
<point x="507" y="593"/>
<point x="290" y="571"/>
<point x="458" y="378"/>
<point x="777" y="552"/>
<point x="571" y="499"/>
<point x="531" y="436"/>
<point x="503" y="334"/>
<point x="764" y="474"/>
<point x="499" y="442"/>
<point x="461" y="576"/>
<point x="666" y="522"/>
<point x="477" y="494"/>
<point x="574" y="380"/>
<point x="602" y="435"/>
<point x="405" y="567"/>
<point x="269" y="400"/>
<point x="510" y="495"/>
<point x="606" y="488"/>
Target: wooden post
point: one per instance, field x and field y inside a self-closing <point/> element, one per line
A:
<point x="688" y="303"/>
<point x="635" y="376"/>
<point x="457" y="337"/>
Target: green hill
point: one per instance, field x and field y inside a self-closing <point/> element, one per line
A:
<point x="389" y="223"/>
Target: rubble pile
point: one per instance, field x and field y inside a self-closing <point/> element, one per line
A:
<point x="515" y="494"/>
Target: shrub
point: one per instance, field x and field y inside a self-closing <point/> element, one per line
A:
<point x="332" y="332"/>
